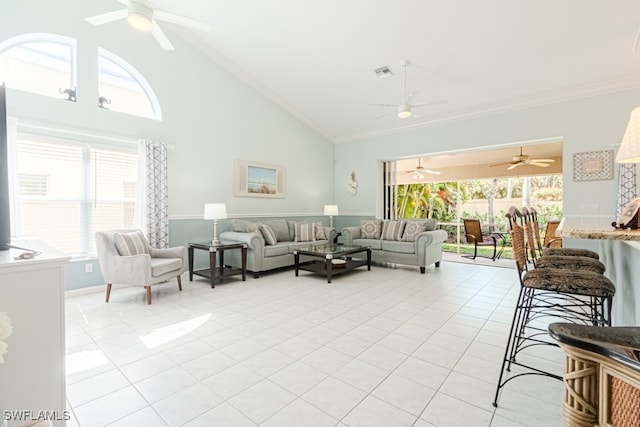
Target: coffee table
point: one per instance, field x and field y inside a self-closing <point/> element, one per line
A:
<point x="331" y="258"/>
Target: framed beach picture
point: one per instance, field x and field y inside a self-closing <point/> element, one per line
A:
<point x="252" y="179"/>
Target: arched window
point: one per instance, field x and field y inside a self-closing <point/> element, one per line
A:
<point x="40" y="63"/>
<point x="122" y="88"/>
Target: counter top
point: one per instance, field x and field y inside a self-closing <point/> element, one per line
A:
<point x="619" y="343"/>
<point x="578" y="230"/>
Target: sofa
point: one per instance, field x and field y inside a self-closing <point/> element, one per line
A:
<point x="271" y="242"/>
<point x="409" y="242"/>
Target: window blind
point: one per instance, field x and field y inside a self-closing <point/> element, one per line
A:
<point x="70" y="189"/>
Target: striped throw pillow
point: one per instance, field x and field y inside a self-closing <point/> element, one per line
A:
<point x="132" y="243"/>
<point x="392" y="230"/>
<point x="319" y="231"/>
<point x="268" y="234"/>
<point x="304" y="232"/>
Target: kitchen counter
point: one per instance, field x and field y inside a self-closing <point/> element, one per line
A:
<point x="620" y="253"/>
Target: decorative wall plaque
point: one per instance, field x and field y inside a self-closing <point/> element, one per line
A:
<point x="593" y="166"/>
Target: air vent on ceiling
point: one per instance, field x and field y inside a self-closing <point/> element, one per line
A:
<point x="383" y="72"/>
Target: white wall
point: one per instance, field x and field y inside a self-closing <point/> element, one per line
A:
<point x="589" y="124"/>
<point x="210" y="118"/>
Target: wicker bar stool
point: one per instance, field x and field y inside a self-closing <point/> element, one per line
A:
<point x="549" y="251"/>
<point x="546" y="295"/>
<point x="574" y="259"/>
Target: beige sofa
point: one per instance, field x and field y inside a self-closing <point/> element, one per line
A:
<point x="263" y="255"/>
<point x="409" y="242"/>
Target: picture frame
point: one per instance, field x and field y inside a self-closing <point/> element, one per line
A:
<point x="593" y="166"/>
<point x="253" y="179"/>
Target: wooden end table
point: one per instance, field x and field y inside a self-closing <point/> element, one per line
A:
<point x="220" y="272"/>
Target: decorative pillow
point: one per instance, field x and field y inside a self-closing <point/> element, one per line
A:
<point x="431" y="224"/>
<point x="268" y="234"/>
<point x="305" y="232"/>
<point x="129" y="244"/>
<point x="280" y="229"/>
<point x="241" y="225"/>
<point x="254" y="227"/>
<point x="319" y="231"/>
<point x="392" y="230"/>
<point x="370" y="228"/>
<point x="412" y="229"/>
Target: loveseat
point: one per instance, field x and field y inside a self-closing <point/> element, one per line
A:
<point x="409" y="242"/>
<point x="271" y="242"/>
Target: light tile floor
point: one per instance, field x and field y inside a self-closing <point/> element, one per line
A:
<point x="389" y="347"/>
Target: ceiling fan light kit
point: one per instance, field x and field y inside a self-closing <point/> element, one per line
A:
<point x="143" y="16"/>
<point x="139" y="16"/>
<point x="405" y="109"/>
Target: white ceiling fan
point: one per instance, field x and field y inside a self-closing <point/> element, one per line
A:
<point x="525" y="159"/>
<point x="419" y="172"/>
<point x="405" y="108"/>
<point x="142" y="16"/>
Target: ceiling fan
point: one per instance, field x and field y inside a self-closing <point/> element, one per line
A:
<point x="525" y="159"/>
<point x="142" y="16"/>
<point x="405" y="109"/>
<point x="419" y="171"/>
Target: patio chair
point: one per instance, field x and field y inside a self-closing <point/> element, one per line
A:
<point x="474" y="235"/>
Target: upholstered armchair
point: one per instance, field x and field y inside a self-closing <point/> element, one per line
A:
<point x="127" y="259"/>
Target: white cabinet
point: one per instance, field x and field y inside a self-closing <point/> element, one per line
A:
<point x="32" y="378"/>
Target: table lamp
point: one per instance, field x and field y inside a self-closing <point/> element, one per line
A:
<point x="215" y="211"/>
<point x="629" y="151"/>
<point x="331" y="210"/>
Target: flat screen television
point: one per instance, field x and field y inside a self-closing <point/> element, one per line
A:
<point x="5" y="221"/>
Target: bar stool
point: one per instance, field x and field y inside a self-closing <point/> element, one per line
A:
<point x="549" y="294"/>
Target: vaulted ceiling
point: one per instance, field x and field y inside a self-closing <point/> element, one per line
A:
<point x="317" y="59"/>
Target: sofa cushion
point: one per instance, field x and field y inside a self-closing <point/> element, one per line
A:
<point x="412" y="229"/>
<point x="241" y="225"/>
<point x="280" y="229"/>
<point x="431" y="224"/>
<point x="392" y="230"/>
<point x="370" y="228"/>
<point x="319" y="231"/>
<point x="132" y="243"/>
<point x="304" y="232"/>
<point x="372" y="243"/>
<point x="277" y="249"/>
<point x="395" y="246"/>
<point x="268" y="234"/>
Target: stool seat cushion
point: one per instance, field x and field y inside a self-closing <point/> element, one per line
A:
<point x="570" y="252"/>
<point x="569" y="281"/>
<point x="571" y="262"/>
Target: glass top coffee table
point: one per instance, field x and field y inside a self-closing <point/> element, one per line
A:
<point x="331" y="258"/>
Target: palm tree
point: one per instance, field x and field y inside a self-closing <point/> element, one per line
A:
<point x="427" y="200"/>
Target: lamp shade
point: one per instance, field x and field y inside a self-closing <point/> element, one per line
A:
<point x="215" y="211"/>
<point x="331" y="210"/>
<point x="629" y="151"/>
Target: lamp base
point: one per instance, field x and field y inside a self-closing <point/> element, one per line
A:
<point x="215" y="242"/>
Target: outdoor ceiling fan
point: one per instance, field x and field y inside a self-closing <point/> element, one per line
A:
<point x="405" y="108"/>
<point x="142" y="16"/>
<point x="419" y="171"/>
<point x="525" y="159"/>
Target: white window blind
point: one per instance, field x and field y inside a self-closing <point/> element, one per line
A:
<point x="89" y="187"/>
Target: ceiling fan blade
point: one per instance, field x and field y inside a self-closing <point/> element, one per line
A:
<point x="383" y="105"/>
<point x="432" y="171"/>
<point x="513" y="166"/>
<point x="160" y="36"/>
<point x="124" y="2"/>
<point x="500" y="164"/>
<point x="181" y="20"/>
<point x="543" y="160"/>
<point x="542" y="165"/>
<point x="105" y="18"/>
<point x="429" y="104"/>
